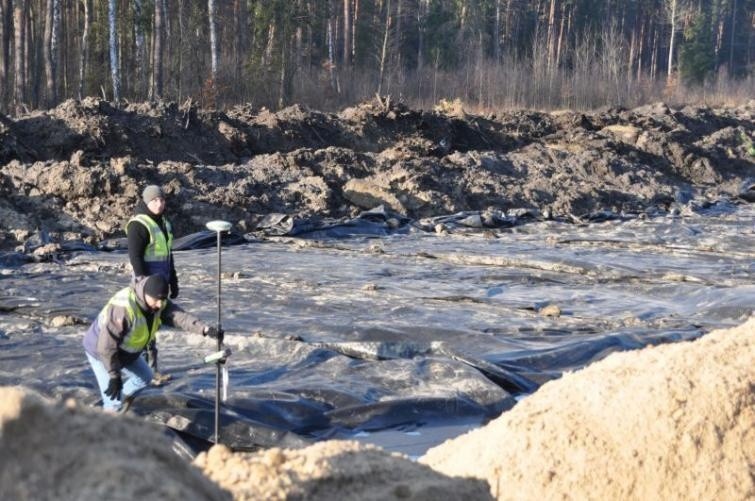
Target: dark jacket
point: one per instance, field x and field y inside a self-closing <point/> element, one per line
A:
<point x="138" y="239"/>
<point x="104" y="337"/>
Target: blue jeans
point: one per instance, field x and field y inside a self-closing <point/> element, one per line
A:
<point x="136" y="376"/>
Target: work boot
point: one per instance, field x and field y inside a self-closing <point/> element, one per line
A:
<point x="159" y="379"/>
<point x="127" y="401"/>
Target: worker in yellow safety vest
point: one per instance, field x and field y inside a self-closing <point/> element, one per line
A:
<point x="124" y="328"/>
<point x="150" y="242"/>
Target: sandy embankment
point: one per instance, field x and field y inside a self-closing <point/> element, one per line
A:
<point x="60" y="450"/>
<point x="671" y="422"/>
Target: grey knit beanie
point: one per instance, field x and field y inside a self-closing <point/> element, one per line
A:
<point x="151" y="192"/>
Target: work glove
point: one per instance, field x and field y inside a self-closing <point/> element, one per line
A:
<point x="214" y="333"/>
<point x="174" y="289"/>
<point x="150" y="355"/>
<point x="114" y="387"/>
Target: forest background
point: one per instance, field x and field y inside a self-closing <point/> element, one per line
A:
<point x="327" y="54"/>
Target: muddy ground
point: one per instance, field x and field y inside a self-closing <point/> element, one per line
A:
<point x="75" y="172"/>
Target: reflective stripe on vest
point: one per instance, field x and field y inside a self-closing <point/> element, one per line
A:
<point x="157" y="252"/>
<point x="140" y="333"/>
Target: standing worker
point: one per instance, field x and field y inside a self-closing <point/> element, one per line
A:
<point x="122" y="331"/>
<point x="150" y="239"/>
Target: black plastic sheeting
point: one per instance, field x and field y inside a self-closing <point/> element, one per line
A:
<point x="401" y="332"/>
<point x="376" y="222"/>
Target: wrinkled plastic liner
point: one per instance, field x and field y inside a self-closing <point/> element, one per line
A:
<point x="336" y="338"/>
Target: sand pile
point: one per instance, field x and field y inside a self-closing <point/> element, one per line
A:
<point x="671" y="422"/>
<point x="58" y="451"/>
<point x="332" y="470"/>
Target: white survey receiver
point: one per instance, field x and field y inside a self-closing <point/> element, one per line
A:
<point x="218" y="226"/>
<point x="218" y="356"/>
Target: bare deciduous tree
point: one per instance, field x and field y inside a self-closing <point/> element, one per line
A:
<point x="5" y="37"/>
<point x="84" y="53"/>
<point x="384" y="49"/>
<point x="19" y="27"/>
<point x="213" y="40"/>
<point x="115" y="67"/>
<point x="140" y="48"/>
<point x="50" y="49"/>
<point x="157" y="53"/>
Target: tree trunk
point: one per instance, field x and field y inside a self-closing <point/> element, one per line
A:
<point x="213" y="40"/>
<point x="267" y="58"/>
<point x="157" y="53"/>
<point x="5" y="37"/>
<point x="299" y="50"/>
<point x="49" y="49"/>
<point x="34" y="66"/>
<point x="241" y="33"/>
<point x="114" y="64"/>
<point x="397" y="41"/>
<point x="748" y="56"/>
<point x="384" y="51"/>
<point x="55" y="49"/>
<point x="654" y="55"/>
<point x="354" y="20"/>
<point x="560" y="44"/>
<point x="507" y="31"/>
<point x="123" y="87"/>
<point x="346" y="33"/>
<point x="421" y="13"/>
<point x="497" y="32"/>
<point x="46" y="54"/>
<point x="283" y="87"/>
<point x="632" y="47"/>
<point x="721" y="25"/>
<point x="331" y="56"/>
<point x="640" y="48"/>
<point x="671" y="41"/>
<point x="166" y="23"/>
<point x="84" y="53"/>
<point x="66" y="24"/>
<point x="551" y="45"/>
<point x="167" y="50"/>
<point x="140" y="49"/>
<point x="179" y="76"/>
<point x="19" y="26"/>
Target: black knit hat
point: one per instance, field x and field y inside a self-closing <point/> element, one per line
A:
<point x="156" y="286"/>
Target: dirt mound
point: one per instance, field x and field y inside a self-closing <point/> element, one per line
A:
<point x="55" y="450"/>
<point x="58" y="451"/>
<point x="332" y="470"/>
<point x="74" y="172"/>
<point x="670" y="422"/>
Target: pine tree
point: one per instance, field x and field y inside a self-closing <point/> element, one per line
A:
<point x="697" y="54"/>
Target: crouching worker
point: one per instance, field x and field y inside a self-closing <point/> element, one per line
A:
<point x="124" y="328"/>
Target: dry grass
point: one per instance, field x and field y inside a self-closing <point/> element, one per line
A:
<point x="484" y="88"/>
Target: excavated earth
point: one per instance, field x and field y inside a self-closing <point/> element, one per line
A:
<point x="74" y="173"/>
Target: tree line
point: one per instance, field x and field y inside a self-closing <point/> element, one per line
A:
<point x="329" y="53"/>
